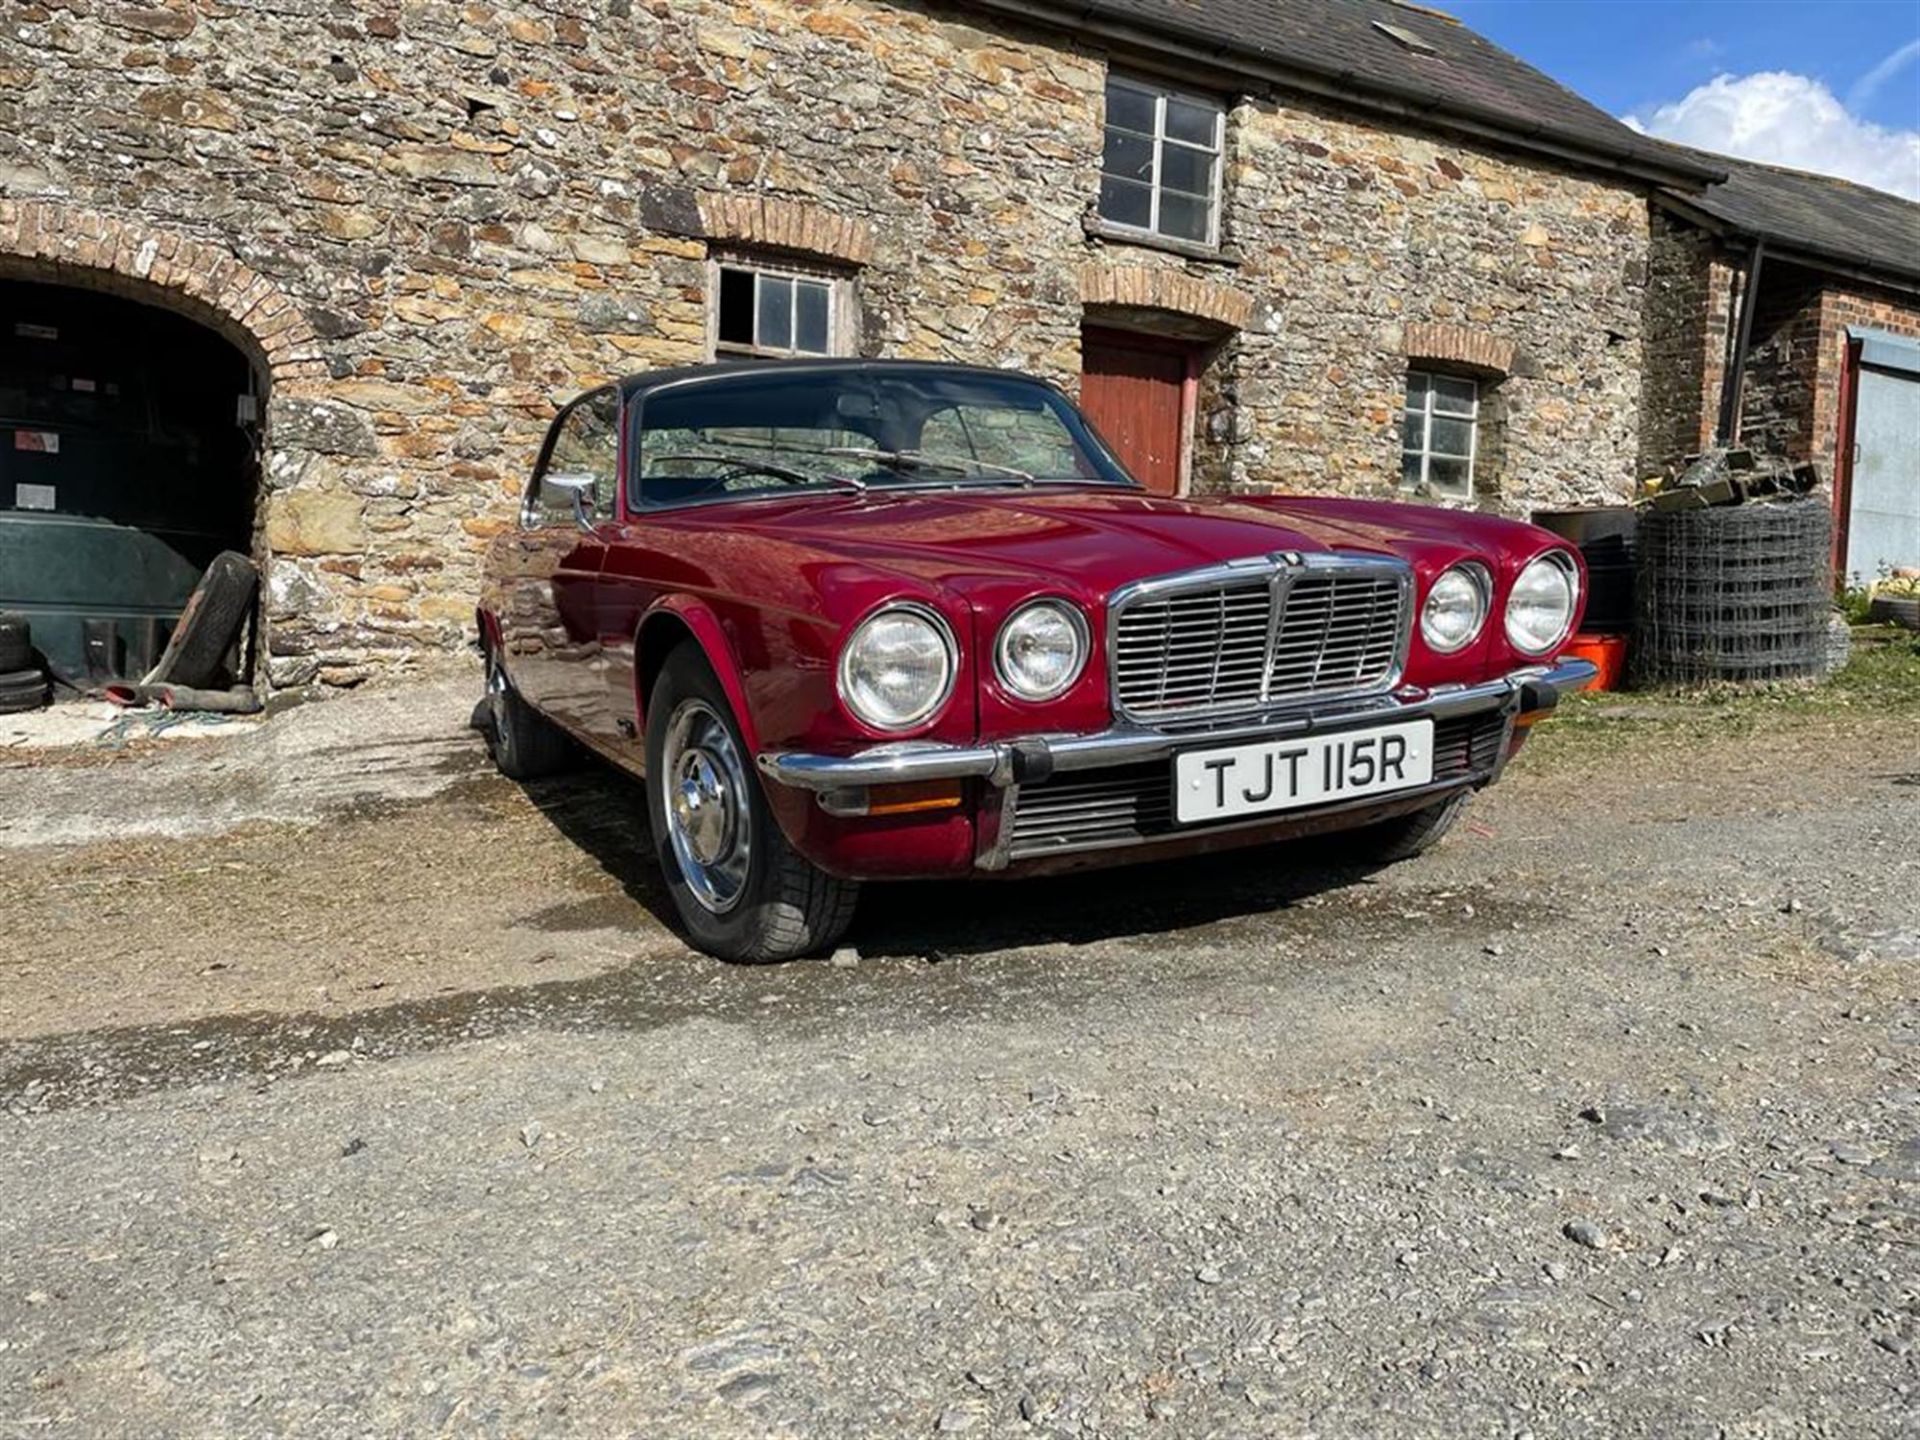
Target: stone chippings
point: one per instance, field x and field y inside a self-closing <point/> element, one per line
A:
<point x="431" y="222"/>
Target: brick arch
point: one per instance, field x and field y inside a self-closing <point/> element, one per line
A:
<point x="1458" y="345"/>
<point x="64" y="244"/>
<point x="791" y="225"/>
<point x="1140" y="287"/>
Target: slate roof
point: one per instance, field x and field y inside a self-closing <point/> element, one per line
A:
<point x="1338" y="43"/>
<point x="1816" y="216"/>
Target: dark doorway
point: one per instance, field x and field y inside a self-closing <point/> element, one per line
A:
<point x="127" y="462"/>
<point x="1139" y="391"/>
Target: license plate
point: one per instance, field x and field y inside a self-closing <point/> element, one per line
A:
<point x="1304" y="770"/>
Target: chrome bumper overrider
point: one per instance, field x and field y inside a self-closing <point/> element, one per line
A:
<point x="1031" y="759"/>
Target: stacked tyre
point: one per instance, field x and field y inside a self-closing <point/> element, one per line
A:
<point x="23" y="684"/>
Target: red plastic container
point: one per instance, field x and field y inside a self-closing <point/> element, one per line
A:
<point x="1608" y="654"/>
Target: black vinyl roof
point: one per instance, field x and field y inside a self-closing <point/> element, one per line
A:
<point x="1819" y="216"/>
<point x="648" y="380"/>
<point x="1449" y="72"/>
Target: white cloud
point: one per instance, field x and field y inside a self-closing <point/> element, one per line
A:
<point x="1785" y="119"/>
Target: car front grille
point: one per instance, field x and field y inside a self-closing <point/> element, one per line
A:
<point x="1231" y="644"/>
<point x="1126" y="804"/>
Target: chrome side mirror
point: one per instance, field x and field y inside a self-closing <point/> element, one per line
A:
<point x="569" y="490"/>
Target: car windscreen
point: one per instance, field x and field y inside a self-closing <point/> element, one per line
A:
<point x="773" y="431"/>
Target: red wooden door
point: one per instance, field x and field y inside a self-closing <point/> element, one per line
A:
<point x="1134" y="389"/>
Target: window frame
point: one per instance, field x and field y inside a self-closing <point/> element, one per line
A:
<point x="1424" y="484"/>
<point x="796" y="271"/>
<point x="532" y="516"/>
<point x="1162" y="94"/>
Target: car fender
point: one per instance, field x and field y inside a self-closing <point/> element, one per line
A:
<point x="697" y="617"/>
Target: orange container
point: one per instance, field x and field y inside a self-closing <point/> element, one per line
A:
<point x="1608" y="654"/>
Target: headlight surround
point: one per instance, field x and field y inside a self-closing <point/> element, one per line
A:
<point x="897" y="668"/>
<point x="1457" y="607"/>
<point x="1042" y="649"/>
<point x="1541" y="606"/>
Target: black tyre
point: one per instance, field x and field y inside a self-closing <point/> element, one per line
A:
<point x="16" y="644"/>
<point x="196" y="654"/>
<point x="743" y="893"/>
<point x="525" y="744"/>
<point x="24" y="690"/>
<point x="1406" y="836"/>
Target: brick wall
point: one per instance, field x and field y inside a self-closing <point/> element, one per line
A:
<point x="1844" y="304"/>
<point x="1687" y="306"/>
<point x="1783" y="359"/>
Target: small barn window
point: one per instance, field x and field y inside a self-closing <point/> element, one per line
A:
<point x="1440" y="434"/>
<point x="760" y="310"/>
<point x="1161" y="170"/>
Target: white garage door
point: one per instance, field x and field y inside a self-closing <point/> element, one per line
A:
<point x="1883" y="520"/>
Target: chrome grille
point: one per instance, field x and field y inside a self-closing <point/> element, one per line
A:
<point x="1221" y="643"/>
<point x="1126" y="804"/>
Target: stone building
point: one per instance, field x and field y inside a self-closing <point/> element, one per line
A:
<point x="1343" y="245"/>
<point x="1832" y="372"/>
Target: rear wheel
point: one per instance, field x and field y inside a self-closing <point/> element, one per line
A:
<point x="1406" y="836"/>
<point x="743" y="893"/>
<point x="525" y="744"/>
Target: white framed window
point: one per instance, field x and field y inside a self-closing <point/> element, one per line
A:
<point x="778" y="310"/>
<point x="1441" y="434"/>
<point x="1160" y="173"/>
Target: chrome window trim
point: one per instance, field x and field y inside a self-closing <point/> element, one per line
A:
<point x="1281" y="570"/>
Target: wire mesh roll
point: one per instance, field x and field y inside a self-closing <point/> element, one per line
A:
<point x="1734" y="592"/>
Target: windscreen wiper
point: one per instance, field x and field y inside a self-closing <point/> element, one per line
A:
<point x="960" y="464"/>
<point x="743" y="466"/>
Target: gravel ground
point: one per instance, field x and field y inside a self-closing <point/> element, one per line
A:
<point x="347" y="1089"/>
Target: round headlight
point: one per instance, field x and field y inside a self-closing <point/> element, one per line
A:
<point x="897" y="668"/>
<point x="1456" y="609"/>
<point x="1041" y="650"/>
<point x="1540" y="609"/>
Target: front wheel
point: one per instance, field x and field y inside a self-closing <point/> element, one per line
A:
<point x="743" y="893"/>
<point x="1406" y="836"/>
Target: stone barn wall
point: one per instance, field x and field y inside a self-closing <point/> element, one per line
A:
<point x="432" y="222"/>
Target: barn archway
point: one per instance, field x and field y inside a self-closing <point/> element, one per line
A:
<point x="135" y="365"/>
<point x="129" y="458"/>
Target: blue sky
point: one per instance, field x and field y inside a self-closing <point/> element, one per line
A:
<point x="1830" y="85"/>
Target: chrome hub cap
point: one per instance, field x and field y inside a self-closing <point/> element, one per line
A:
<point x="705" y="798"/>
<point x="497" y="696"/>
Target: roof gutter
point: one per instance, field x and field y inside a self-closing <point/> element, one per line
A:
<point x="1161" y="42"/>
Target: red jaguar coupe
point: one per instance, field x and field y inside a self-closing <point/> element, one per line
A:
<point x="866" y="620"/>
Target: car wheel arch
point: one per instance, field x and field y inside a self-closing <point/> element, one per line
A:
<point x="664" y="629"/>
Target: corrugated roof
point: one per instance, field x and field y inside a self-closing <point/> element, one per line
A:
<point x="1817" y="215"/>
<point x="1450" y="72"/>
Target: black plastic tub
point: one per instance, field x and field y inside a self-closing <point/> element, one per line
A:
<point x="1607" y="536"/>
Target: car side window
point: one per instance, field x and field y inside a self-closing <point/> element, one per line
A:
<point x="586" y="444"/>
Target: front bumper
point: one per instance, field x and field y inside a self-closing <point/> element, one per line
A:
<point x="1030" y="760"/>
